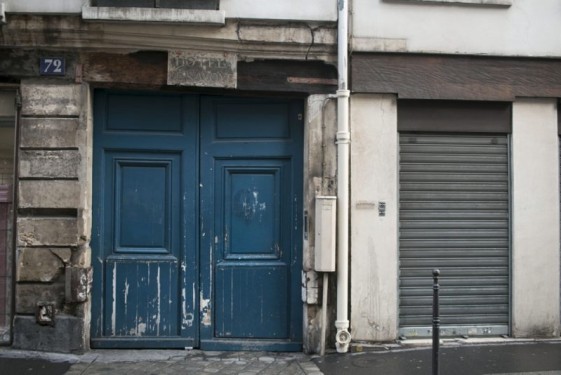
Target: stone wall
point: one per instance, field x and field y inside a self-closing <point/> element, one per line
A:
<point x="7" y="126"/>
<point x="320" y="176"/>
<point x="55" y="161"/>
<point x="52" y="244"/>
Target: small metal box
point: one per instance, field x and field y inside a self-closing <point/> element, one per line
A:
<point x="325" y="230"/>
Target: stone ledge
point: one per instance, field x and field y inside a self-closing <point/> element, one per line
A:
<point x="196" y="17"/>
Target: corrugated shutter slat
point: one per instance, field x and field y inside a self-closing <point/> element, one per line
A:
<point x="454" y="215"/>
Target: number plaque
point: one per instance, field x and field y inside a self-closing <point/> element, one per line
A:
<point x="52" y="66"/>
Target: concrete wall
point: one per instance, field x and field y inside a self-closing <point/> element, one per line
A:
<point x="310" y="10"/>
<point x="41" y="6"/>
<point x="374" y="238"/>
<point x="535" y="219"/>
<point x="526" y="28"/>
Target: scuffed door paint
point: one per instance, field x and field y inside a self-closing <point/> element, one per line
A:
<point x="196" y="230"/>
<point x="251" y="169"/>
<point x="145" y="227"/>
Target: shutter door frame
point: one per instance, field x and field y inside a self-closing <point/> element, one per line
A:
<point x="481" y="217"/>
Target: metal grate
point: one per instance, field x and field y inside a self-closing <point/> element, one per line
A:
<point x="454" y="215"/>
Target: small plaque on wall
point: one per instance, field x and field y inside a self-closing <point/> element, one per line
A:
<point x="202" y="69"/>
<point x="52" y="66"/>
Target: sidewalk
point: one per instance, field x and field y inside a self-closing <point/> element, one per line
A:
<point x="155" y="362"/>
<point x="507" y="358"/>
<point x="527" y="358"/>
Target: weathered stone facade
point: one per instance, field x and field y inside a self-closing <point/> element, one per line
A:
<point x="7" y="136"/>
<point x="50" y="234"/>
<point x="54" y="187"/>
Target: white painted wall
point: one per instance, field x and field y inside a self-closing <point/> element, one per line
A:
<point x="535" y="219"/>
<point x="309" y="10"/>
<point x="43" y="6"/>
<point x="526" y="28"/>
<point x="374" y="239"/>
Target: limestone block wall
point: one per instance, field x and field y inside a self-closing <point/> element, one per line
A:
<point x="51" y="242"/>
<point x="7" y="125"/>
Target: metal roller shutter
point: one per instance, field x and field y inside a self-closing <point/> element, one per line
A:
<point x="454" y="215"/>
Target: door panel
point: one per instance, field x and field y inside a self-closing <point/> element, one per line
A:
<point x="252" y="211"/>
<point x="252" y="300"/>
<point x="142" y="229"/>
<point x="143" y="297"/>
<point x="236" y="120"/>
<point x="145" y="239"/>
<point x="146" y="212"/>
<point x="144" y="113"/>
<point x="196" y="233"/>
<point x="251" y="263"/>
<point x="251" y="193"/>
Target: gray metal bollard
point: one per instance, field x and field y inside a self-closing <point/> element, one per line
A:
<point x="435" y="322"/>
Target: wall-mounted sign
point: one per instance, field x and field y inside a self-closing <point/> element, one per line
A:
<point x="202" y="69"/>
<point x="52" y="66"/>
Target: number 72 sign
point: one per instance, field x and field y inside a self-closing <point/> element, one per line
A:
<point x="52" y="66"/>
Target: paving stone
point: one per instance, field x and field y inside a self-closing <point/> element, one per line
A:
<point x="267" y="359"/>
<point x="196" y="363"/>
<point x="211" y="370"/>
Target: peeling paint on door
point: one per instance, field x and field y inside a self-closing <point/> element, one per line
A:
<point x="251" y="170"/>
<point x="145" y="221"/>
<point x="206" y="316"/>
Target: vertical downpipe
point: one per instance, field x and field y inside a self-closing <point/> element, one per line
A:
<point x="342" y="337"/>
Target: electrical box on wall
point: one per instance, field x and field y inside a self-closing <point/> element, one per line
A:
<point x="325" y="230"/>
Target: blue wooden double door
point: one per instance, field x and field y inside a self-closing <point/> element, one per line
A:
<point x="196" y="236"/>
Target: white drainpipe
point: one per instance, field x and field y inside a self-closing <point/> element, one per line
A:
<point x="343" y="337"/>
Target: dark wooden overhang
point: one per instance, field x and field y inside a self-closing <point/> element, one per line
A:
<point x="446" y="77"/>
